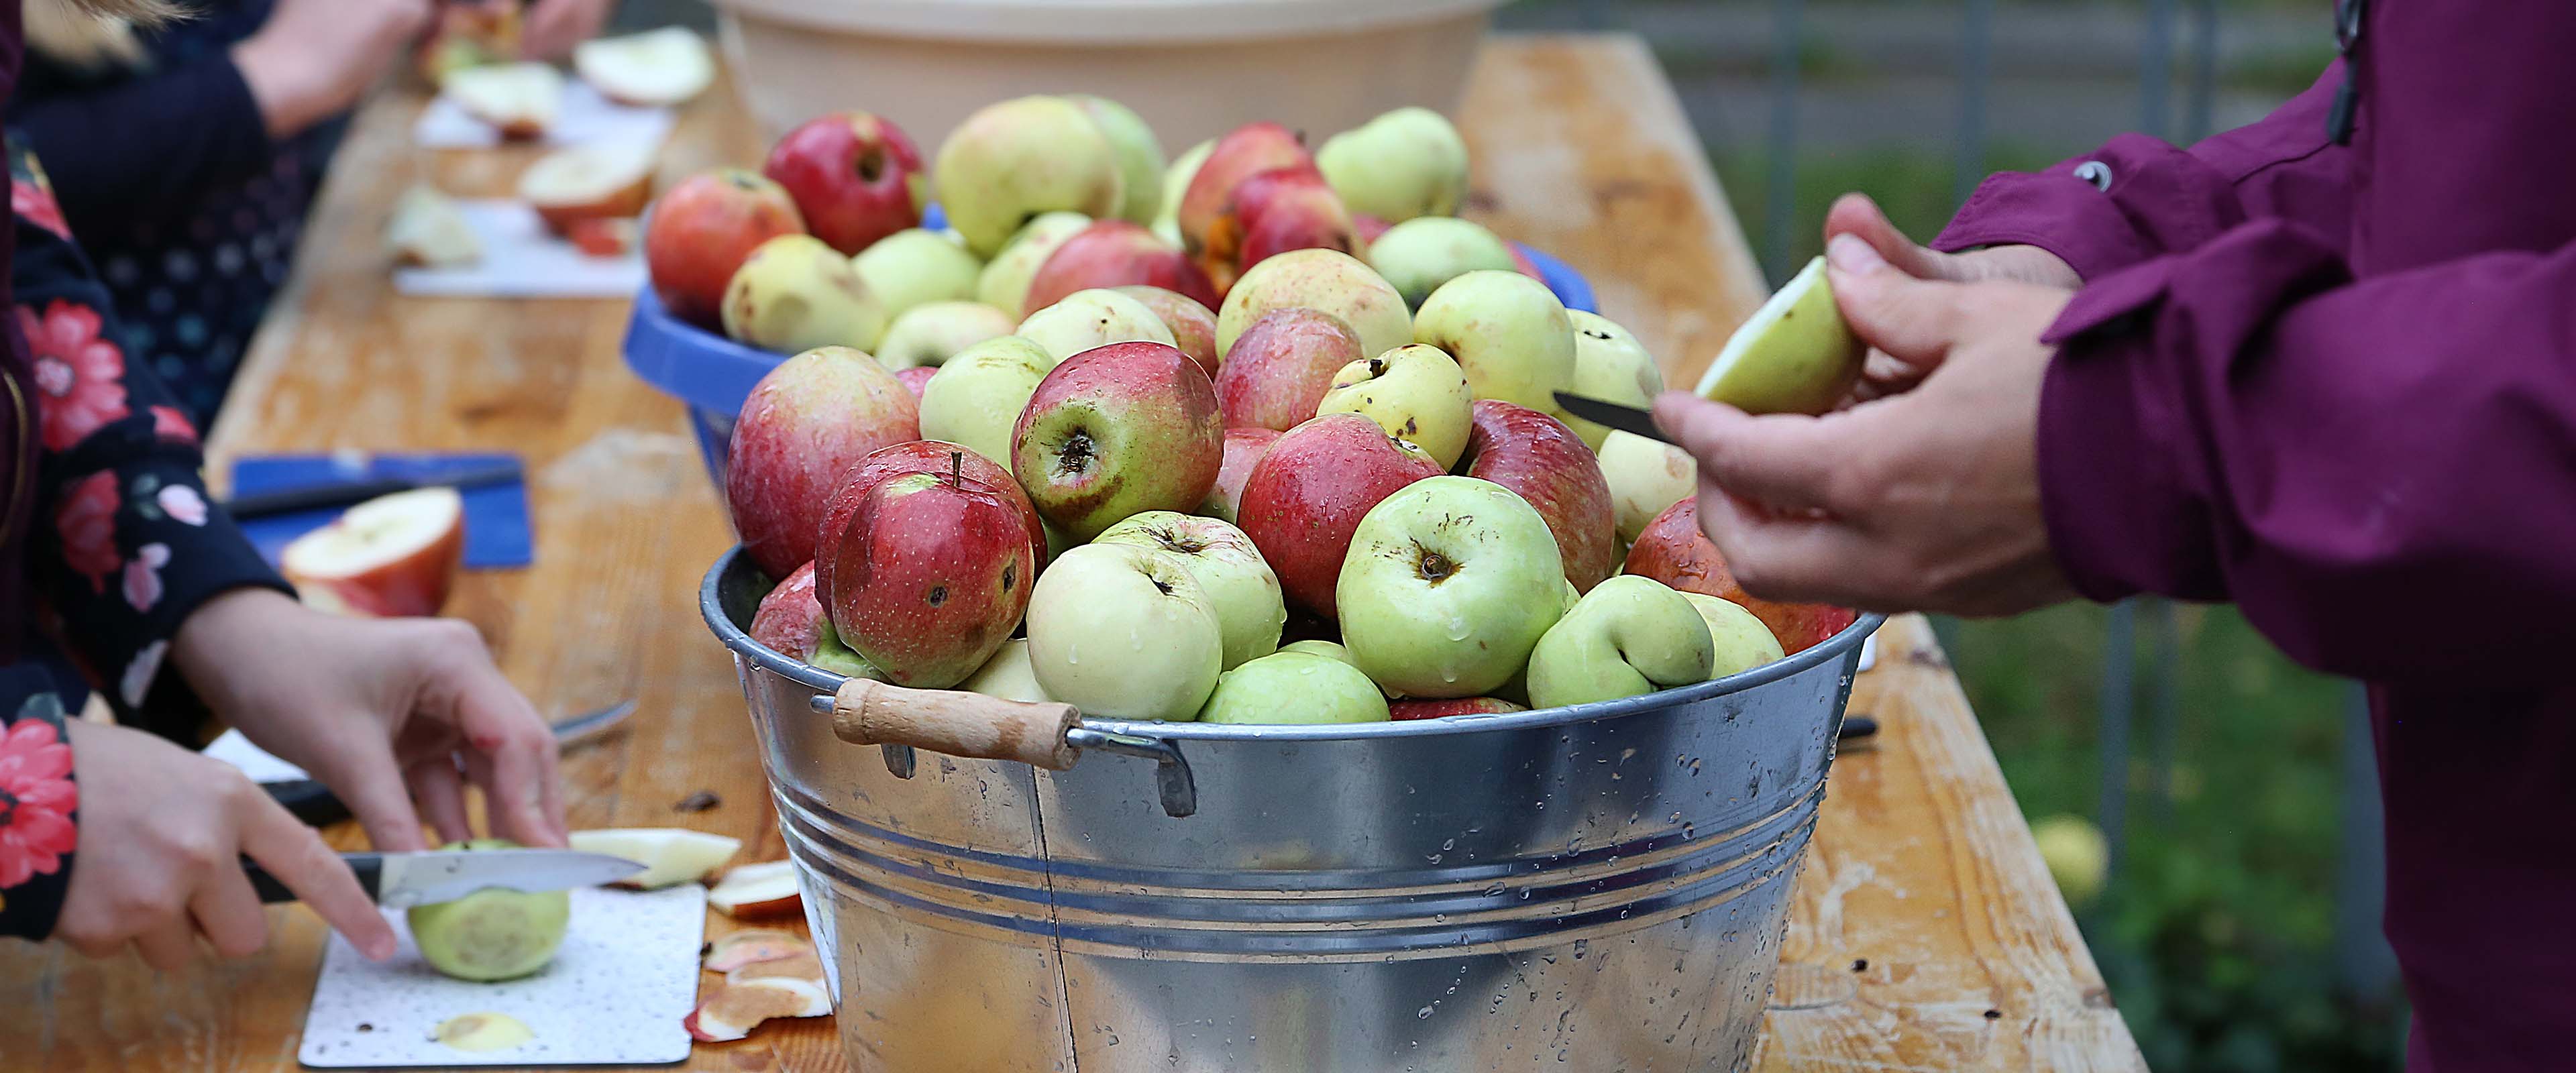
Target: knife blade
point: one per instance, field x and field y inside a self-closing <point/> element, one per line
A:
<point x="342" y="493"/>
<point x="1617" y="415"/>
<point x="403" y="880"/>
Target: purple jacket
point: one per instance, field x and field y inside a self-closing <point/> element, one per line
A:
<point x="2337" y="385"/>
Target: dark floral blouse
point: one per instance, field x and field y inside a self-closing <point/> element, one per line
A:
<point x="121" y="540"/>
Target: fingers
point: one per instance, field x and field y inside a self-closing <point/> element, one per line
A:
<point x="510" y="753"/>
<point x="1797" y="559"/>
<point x="1858" y="216"/>
<point x="1912" y="320"/>
<point x="169" y="946"/>
<point x="227" y="910"/>
<point x="298" y="858"/>
<point x="374" y="789"/>
<point x="1784" y="460"/>
<point x="440" y="792"/>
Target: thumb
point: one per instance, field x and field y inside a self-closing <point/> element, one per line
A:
<point x="1912" y="320"/>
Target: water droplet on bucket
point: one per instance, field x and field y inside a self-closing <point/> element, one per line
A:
<point x="1423" y="1013"/>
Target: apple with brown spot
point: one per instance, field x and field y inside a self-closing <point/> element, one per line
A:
<point x="1115" y="431"/>
<point x="917" y="456"/>
<point x="931" y="575"/>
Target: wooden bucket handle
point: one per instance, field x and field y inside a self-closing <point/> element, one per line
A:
<point x="957" y="723"/>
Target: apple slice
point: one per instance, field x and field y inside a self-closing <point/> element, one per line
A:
<point x="603" y="237"/>
<point x="654" y="68"/>
<point x="428" y="231"/>
<point x="1793" y="355"/>
<point x="752" y="946"/>
<point x="733" y="1010"/>
<point x="519" y="99"/>
<point x="765" y="891"/>
<point x="389" y="557"/>
<point x="801" y="965"/>
<point x="670" y="855"/>
<point x="590" y="182"/>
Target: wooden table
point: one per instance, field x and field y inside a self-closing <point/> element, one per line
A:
<point x="1926" y="933"/>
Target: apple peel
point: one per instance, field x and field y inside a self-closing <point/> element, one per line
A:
<point x="670" y="855"/>
<point x="733" y="1010"/>
<point x="765" y="891"/>
<point x="752" y="946"/>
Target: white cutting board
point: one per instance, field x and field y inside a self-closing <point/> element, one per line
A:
<point x="583" y="117"/>
<point x="521" y="259"/>
<point x="614" y="994"/>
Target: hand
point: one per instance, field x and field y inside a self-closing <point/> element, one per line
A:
<point x="315" y="58"/>
<point x="1856" y="215"/>
<point x="553" y="27"/>
<point x="374" y="706"/>
<point x="1925" y="500"/>
<point x="162" y="834"/>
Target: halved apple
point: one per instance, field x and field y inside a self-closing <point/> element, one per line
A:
<point x="733" y="1010"/>
<point x="653" y="68"/>
<point x="1793" y="355"/>
<point x="589" y="182"/>
<point x="670" y="855"/>
<point x="519" y="99"/>
<point x="428" y="231"/>
<point x="764" y="891"/>
<point x="389" y="557"/>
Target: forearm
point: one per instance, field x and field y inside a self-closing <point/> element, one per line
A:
<point x="146" y="147"/>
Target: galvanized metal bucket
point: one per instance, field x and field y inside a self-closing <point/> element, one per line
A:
<point x="1600" y="887"/>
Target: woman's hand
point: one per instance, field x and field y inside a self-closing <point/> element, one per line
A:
<point x="1856" y="215"/>
<point x="162" y="834"/>
<point x="553" y="27"/>
<point x="386" y="712"/>
<point x="314" y="58"/>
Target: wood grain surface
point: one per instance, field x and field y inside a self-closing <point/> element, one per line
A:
<point x="1921" y="864"/>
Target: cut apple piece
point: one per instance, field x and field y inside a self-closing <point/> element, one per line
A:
<point x="603" y="237"/>
<point x="752" y="946"/>
<point x="392" y="556"/>
<point x="733" y="1010"/>
<point x="657" y="67"/>
<point x="758" y="892"/>
<point x="802" y="965"/>
<point x="590" y="182"/>
<point x="519" y="99"/>
<point x="669" y="854"/>
<point x="1794" y="355"/>
<point x="428" y="231"/>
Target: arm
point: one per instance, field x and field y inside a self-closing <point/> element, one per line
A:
<point x="149" y="146"/>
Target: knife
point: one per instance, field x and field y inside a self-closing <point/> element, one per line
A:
<point x="341" y="493"/>
<point x="403" y="880"/>
<point x="1621" y="416"/>
<point x="314" y="804"/>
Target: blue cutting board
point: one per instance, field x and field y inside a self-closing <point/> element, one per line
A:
<point x="497" y="531"/>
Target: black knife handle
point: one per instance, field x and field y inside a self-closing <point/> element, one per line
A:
<point x="370" y="868"/>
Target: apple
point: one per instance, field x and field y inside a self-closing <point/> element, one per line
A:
<point x="653" y="69"/>
<point x="604" y="236"/>
<point x="468" y="35"/>
<point x="1442" y="707"/>
<point x="1008" y="675"/>
<point x="1294" y="688"/>
<point x="427" y="230"/>
<point x="1369" y="228"/>
<point x="1015" y="159"/>
<point x="1306" y="496"/>
<point x="1414" y="392"/>
<point x="1540" y="459"/>
<point x="1507" y="331"/>
<point x="794" y="294"/>
<point x="1449" y="583"/>
<point x="393" y="556"/>
<point x="916" y="379"/>
<point x="1330" y="649"/>
<point x="1673" y="550"/>
<point x="495" y="933"/>
<point x="792" y="623"/>
<point x="592" y="182"/>
<point x="1420" y="254"/>
<point x="1192" y="323"/>
<point x="1738" y="641"/>
<point x="1645" y="476"/>
<point x="1609" y="363"/>
<point x="1115" y="253"/>
<point x="976" y="398"/>
<point x="1124" y="632"/>
<point x="933" y="573"/>
<point x="1629" y="636"/>
<point x="1280" y="210"/>
<point x="519" y="100"/>
<point x="1118" y="430"/>
<point x="1406" y="163"/>
<point x="856" y="178"/>
<point x="934" y="332"/>
<point x="804" y="424"/>
<point x="915" y="456"/>
<point x="670" y="855"/>
<point x="749" y="946"/>
<point x="1098" y="317"/>
<point x="1004" y="283"/>
<point x="1176" y="182"/>
<point x="1208" y="201"/>
<point x="700" y="231"/>
<point x="1140" y="155"/>
<point x="1241" y="589"/>
<point x="912" y="268"/>
<point x="1243" y="447"/>
<point x="1793" y="355"/>
<point x="763" y="891"/>
<point x="1327" y="280"/>
<point x="1283" y="365"/>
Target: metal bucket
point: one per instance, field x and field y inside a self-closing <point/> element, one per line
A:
<point x="1602" y="887"/>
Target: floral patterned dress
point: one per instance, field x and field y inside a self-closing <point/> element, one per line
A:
<point x="108" y="532"/>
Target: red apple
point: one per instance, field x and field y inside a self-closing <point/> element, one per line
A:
<point x="931" y="575"/>
<point x="917" y="456"/>
<point x="790" y="620"/>
<point x="810" y="419"/>
<point x="1117" y="430"/>
<point x="388" y="557"/>
<point x="1521" y="259"/>
<point x="1192" y="322"/>
<point x="702" y="229"/>
<point x="1544" y="462"/>
<point x="914" y="377"/>
<point x="1290" y="209"/>
<point x="853" y="176"/>
<point x="1245" y="151"/>
<point x="1367" y="228"/>
<point x="1673" y="550"/>
<point x="1243" y="447"/>
<point x="1279" y="371"/>
<point x="1305" y="496"/>
<point x="1436" y="708"/>
<point x="1113" y="253"/>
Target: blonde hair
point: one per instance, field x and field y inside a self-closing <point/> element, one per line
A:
<point x="93" y="33"/>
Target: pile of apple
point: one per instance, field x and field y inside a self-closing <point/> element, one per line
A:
<point x="1263" y="437"/>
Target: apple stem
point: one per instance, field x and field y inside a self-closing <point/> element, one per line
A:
<point x="957" y="468"/>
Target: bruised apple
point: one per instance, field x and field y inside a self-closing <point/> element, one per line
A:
<point x="1672" y="550"/>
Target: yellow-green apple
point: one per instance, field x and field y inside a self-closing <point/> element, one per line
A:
<point x="1645" y="476"/>
<point x="1414" y="392"/>
<point x="1193" y="324"/>
<point x="1140" y="155"/>
<point x="701" y="229"/>
<point x="1440" y="707"/>
<point x="1281" y="367"/>
<point x="1738" y="641"/>
<point x="794" y="294"/>
<point x="1294" y="688"/>
<point x="393" y="556"/>
<point x="1176" y="182"/>
<point x="519" y="100"/>
<point x="428" y="230"/>
<point x="933" y="573"/>
<point x="1098" y="317"/>
<point x="912" y="268"/>
<point x="932" y="333"/>
<point x="1004" y="284"/>
<point x="1609" y="363"/>
<point x="1241" y="153"/>
<point x="916" y="379"/>
<point x="1540" y="460"/>
<point x="1406" y="163"/>
<point x="1241" y="589"/>
<point x="1329" y="649"/>
<point x="1015" y="159"/>
<point x="1124" y="632"/>
<point x="1243" y="447"/>
<point x="653" y="69"/>
<point x="1420" y="254"/>
<point x="1307" y="494"/>
<point x="1118" y="430"/>
<point x="1327" y="280"/>
<point x="856" y="178"/>
<point x="916" y="456"/>
<point x="1629" y="636"/>
<point x="1280" y="210"/>
<point x="1507" y="331"/>
<point x="1793" y="355"/>
<point x="1673" y="550"/>
<point x="1449" y="583"/>
<point x="495" y="933"/>
<point x="807" y="421"/>
<point x="589" y="182"/>
<point x="976" y="397"/>
<point x="1008" y="675"/>
<point x="792" y="623"/>
<point x="1115" y="253"/>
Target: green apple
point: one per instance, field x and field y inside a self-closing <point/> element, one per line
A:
<point x="1294" y="688"/>
<point x="1007" y="675"/>
<point x="1124" y="632"/>
<point x="1004" y="284"/>
<point x="1250" y="610"/>
<point x="1414" y="392"/>
<point x="1507" y="331"/>
<point x="934" y="332"/>
<point x="1328" y="281"/>
<point x="1176" y="181"/>
<point x="1448" y="585"/>
<point x="1609" y="363"/>
<point x="1422" y="253"/>
<point x="1629" y="635"/>
<point x="793" y="293"/>
<point x="1406" y="163"/>
<point x="1140" y="156"/>
<point x="1738" y="641"/>
<point x="1645" y="477"/>
<point x="1015" y="159"/>
<point x="913" y="267"/>
<point x="1794" y="355"/>
<point x="494" y="933"/>
<point x="1092" y="318"/>
<point x="1331" y="649"/>
<point x="976" y="397"/>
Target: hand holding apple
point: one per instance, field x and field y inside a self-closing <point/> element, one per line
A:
<point x="1629" y="636"/>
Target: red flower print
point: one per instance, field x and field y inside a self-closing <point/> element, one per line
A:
<point x="79" y="376"/>
<point x="86" y="520"/>
<point x="143" y="576"/>
<point x="169" y="424"/>
<point x="33" y="200"/>
<point x="36" y="802"/>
